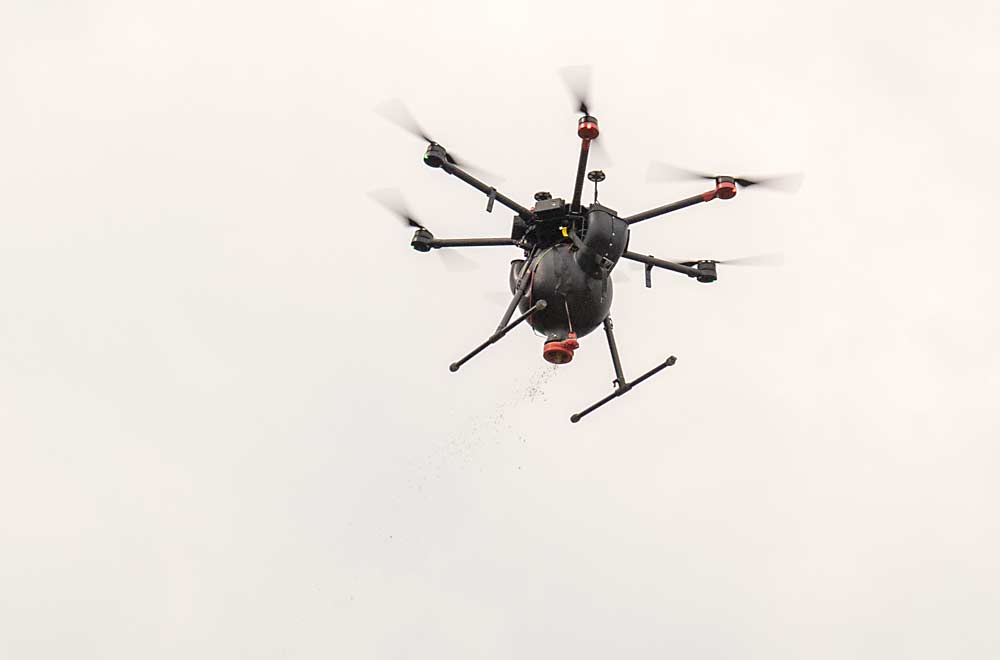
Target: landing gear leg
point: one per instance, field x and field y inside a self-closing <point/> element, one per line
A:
<point x="498" y="335"/>
<point x="622" y="386"/>
<point x="523" y="280"/>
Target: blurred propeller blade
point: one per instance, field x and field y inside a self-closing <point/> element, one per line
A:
<point x="779" y="182"/>
<point x="659" y="171"/>
<point x="475" y="169"/>
<point x="577" y="80"/>
<point x="392" y="200"/>
<point x="396" y="112"/>
<point x="598" y="150"/>
<point x="456" y="262"/>
<point x="768" y="260"/>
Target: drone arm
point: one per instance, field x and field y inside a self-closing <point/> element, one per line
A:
<point x="675" y="206"/>
<point x="424" y="241"/>
<point x="489" y="191"/>
<point x="706" y="273"/>
<point x="581" y="169"/>
<point x="469" y="242"/>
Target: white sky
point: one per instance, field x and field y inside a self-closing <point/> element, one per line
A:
<point x="226" y="421"/>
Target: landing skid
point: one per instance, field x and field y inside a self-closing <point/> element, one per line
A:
<point x="622" y="386"/>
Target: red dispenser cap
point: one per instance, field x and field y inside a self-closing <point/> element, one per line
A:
<point x="561" y="352"/>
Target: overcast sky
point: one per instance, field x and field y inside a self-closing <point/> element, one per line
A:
<point x="227" y="426"/>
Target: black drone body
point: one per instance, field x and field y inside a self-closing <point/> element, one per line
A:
<point x="562" y="287"/>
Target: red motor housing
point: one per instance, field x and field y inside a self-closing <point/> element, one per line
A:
<point x="725" y="189"/>
<point x="587" y="128"/>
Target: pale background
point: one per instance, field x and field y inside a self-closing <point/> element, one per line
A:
<point x="227" y="427"/>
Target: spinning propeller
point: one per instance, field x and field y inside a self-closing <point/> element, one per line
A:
<point x="772" y="259"/>
<point x="392" y="200"/>
<point x="396" y="112"/>
<point x="577" y="81"/>
<point x="659" y="171"/>
<point x="769" y="260"/>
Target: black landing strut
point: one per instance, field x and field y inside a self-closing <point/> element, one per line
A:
<point x="622" y="386"/>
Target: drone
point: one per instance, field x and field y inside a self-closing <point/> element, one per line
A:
<point x="562" y="287"/>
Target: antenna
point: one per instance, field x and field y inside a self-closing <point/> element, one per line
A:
<point x="596" y="176"/>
